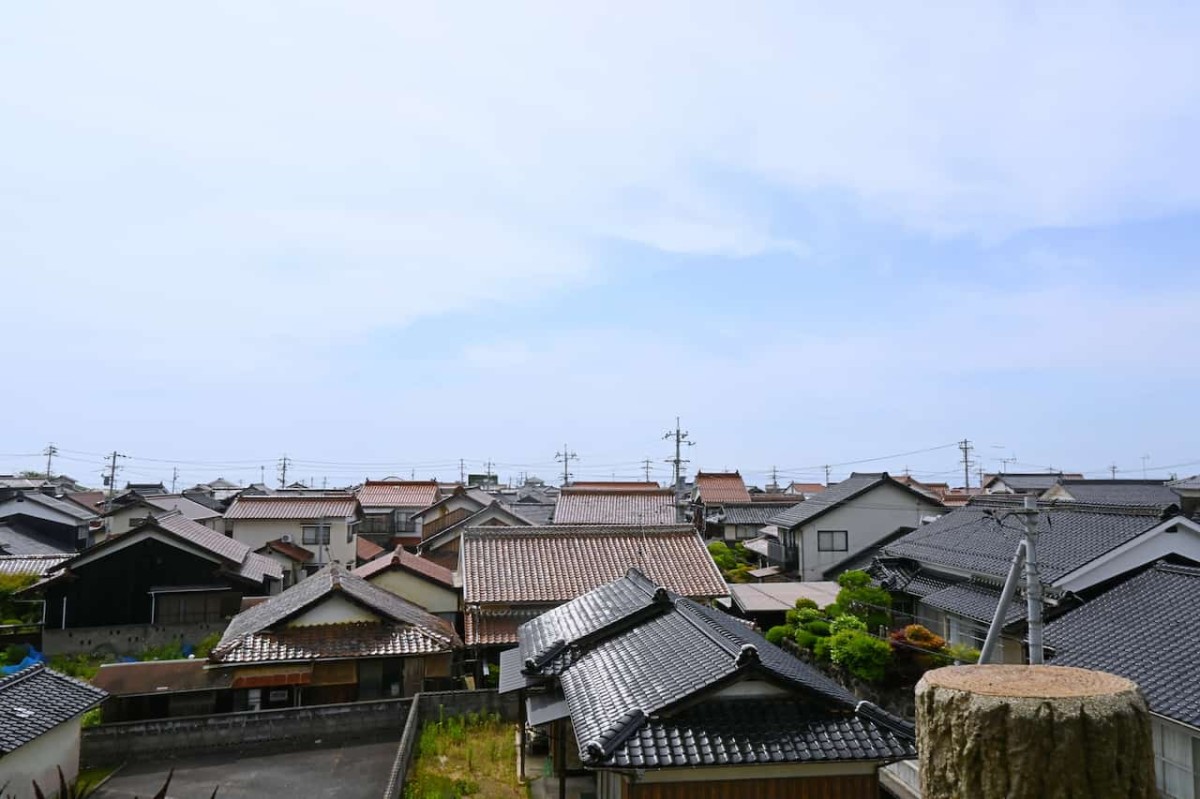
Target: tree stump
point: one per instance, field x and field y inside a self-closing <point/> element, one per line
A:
<point x="1032" y="732"/>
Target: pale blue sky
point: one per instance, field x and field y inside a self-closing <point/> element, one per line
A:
<point x="380" y="237"/>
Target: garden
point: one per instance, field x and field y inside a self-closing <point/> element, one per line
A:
<point x="462" y="756"/>
<point x="855" y="640"/>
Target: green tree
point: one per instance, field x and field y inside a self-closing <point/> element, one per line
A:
<point x="858" y="597"/>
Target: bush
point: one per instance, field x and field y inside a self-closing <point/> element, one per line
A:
<point x="207" y="644"/>
<point x="722" y="556"/>
<point x="859" y="598"/>
<point x="776" y="634"/>
<point x="863" y="655"/>
<point x="821" y="649"/>
<point x="806" y="640"/>
<point x="920" y="636"/>
<point x="848" y="623"/>
<point x="962" y="652"/>
<point x="819" y="627"/>
<point x="804" y="603"/>
<point x="92" y="718"/>
<point x="15" y="653"/>
<point x="171" y="651"/>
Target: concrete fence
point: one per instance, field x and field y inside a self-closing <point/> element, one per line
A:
<point x="296" y="727"/>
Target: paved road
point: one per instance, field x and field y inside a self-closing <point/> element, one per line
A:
<point x="354" y="771"/>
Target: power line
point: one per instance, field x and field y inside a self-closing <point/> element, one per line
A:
<point x="681" y="438"/>
<point x="284" y="462"/>
<point x="50" y="452"/>
<point x="566" y="456"/>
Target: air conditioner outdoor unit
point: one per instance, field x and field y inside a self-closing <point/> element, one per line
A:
<point x="285" y="538"/>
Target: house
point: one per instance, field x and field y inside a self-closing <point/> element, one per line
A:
<point x="159" y="689"/>
<point x="416" y="579"/>
<point x="32" y="565"/>
<point x="442" y="538"/>
<point x="295" y="561"/>
<point x="332" y="638"/>
<point x="1023" y="482"/>
<point x="804" y="490"/>
<point x="767" y="604"/>
<point x="604" y="504"/>
<point x="41" y="711"/>
<point x="61" y="525"/>
<point x="1143" y="628"/>
<point x="712" y="488"/>
<point x="388" y="510"/>
<point x="1112" y="492"/>
<point x="660" y="696"/>
<point x="452" y="508"/>
<point x="167" y="579"/>
<point x="324" y="522"/>
<point x="846" y="520"/>
<point x="511" y="574"/>
<point x="132" y="508"/>
<point x="949" y="573"/>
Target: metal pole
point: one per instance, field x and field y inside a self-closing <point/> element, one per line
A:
<point x="1033" y="581"/>
<point x="1006" y="597"/>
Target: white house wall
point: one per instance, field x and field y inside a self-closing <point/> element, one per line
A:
<point x="1143" y="550"/>
<point x="433" y="598"/>
<point x="255" y="533"/>
<point x="335" y="610"/>
<point x="867" y="519"/>
<point x="40" y="759"/>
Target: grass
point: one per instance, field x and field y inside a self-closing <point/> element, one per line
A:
<point x="89" y="778"/>
<point x="465" y="756"/>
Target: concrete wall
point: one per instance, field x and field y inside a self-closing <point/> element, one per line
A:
<point x="113" y="743"/>
<point x="128" y="639"/>
<point x="866" y="519"/>
<point x="40" y="760"/>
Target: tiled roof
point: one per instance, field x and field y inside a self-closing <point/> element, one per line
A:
<point x="749" y="731"/>
<point x="284" y="507"/>
<point x="1188" y="483"/>
<point x="249" y="564"/>
<point x="407" y="561"/>
<point x="288" y="549"/>
<point x="636" y="674"/>
<point x="612" y="485"/>
<point x="975" y="601"/>
<point x="88" y="500"/>
<point x="252" y="632"/>
<point x="500" y="515"/>
<point x="975" y="538"/>
<point x="756" y="513"/>
<point x="37" y="565"/>
<point x="1120" y="492"/>
<point x="17" y="538"/>
<point x="1029" y="481"/>
<point x="398" y="494"/>
<point x="36" y="699"/>
<point x="604" y="506"/>
<point x="1155" y="614"/>
<point x="488" y="627"/>
<point x="853" y="486"/>
<point x="721" y="487"/>
<point x="155" y="676"/>
<point x="366" y="549"/>
<point x="332" y="641"/>
<point x="38" y="498"/>
<point x="553" y="564"/>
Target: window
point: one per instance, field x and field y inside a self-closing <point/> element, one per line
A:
<point x="315" y="533"/>
<point x="1174" y="755"/>
<point x="832" y="541"/>
<point x="194" y="608"/>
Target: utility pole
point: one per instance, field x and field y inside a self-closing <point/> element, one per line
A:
<point x="49" y="452"/>
<point x="262" y="475"/>
<point x="681" y="438"/>
<point x="1145" y="458"/>
<point x="487" y="471"/>
<point x="774" y="486"/>
<point x="566" y="456"/>
<point x="1033" y="581"/>
<point x="174" y="478"/>
<point x="284" y="462"/>
<point x="646" y="468"/>
<point x="112" y="479"/>
<point x="965" y="446"/>
<point x="827" y="475"/>
<point x="1113" y="470"/>
<point x="462" y="471"/>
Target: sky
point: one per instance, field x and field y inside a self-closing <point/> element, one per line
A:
<point x="380" y="237"/>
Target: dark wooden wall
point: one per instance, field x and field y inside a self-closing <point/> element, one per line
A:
<point x="849" y="787"/>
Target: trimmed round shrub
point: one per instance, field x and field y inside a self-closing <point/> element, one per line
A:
<point x="848" y="623"/>
<point x="805" y="639"/>
<point x="818" y="627"/>
<point x="804" y="603"/>
<point x="863" y="655"/>
<point x="776" y="634"/>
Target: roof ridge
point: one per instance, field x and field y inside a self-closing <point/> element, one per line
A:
<point x="10" y="680"/>
<point x="1177" y="568"/>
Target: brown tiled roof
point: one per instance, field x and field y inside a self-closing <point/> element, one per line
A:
<point x="91" y="500"/>
<point x="366" y="549"/>
<point x="721" y="487"/>
<point x="613" y="485"/>
<point x="303" y="507"/>
<point x="156" y="676"/>
<point x="607" y="506"/>
<point x="322" y="641"/>
<point x="488" y="627"/>
<point x="288" y="550"/>
<point x="260" y="633"/>
<point x="250" y="565"/>
<point x="556" y="563"/>
<point x="407" y="561"/>
<point x="807" y="488"/>
<point x="398" y="493"/>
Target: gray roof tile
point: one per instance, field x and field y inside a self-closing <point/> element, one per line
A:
<point x="36" y="699"/>
<point x="1142" y="629"/>
<point x="854" y="485"/>
<point x="1121" y="492"/>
